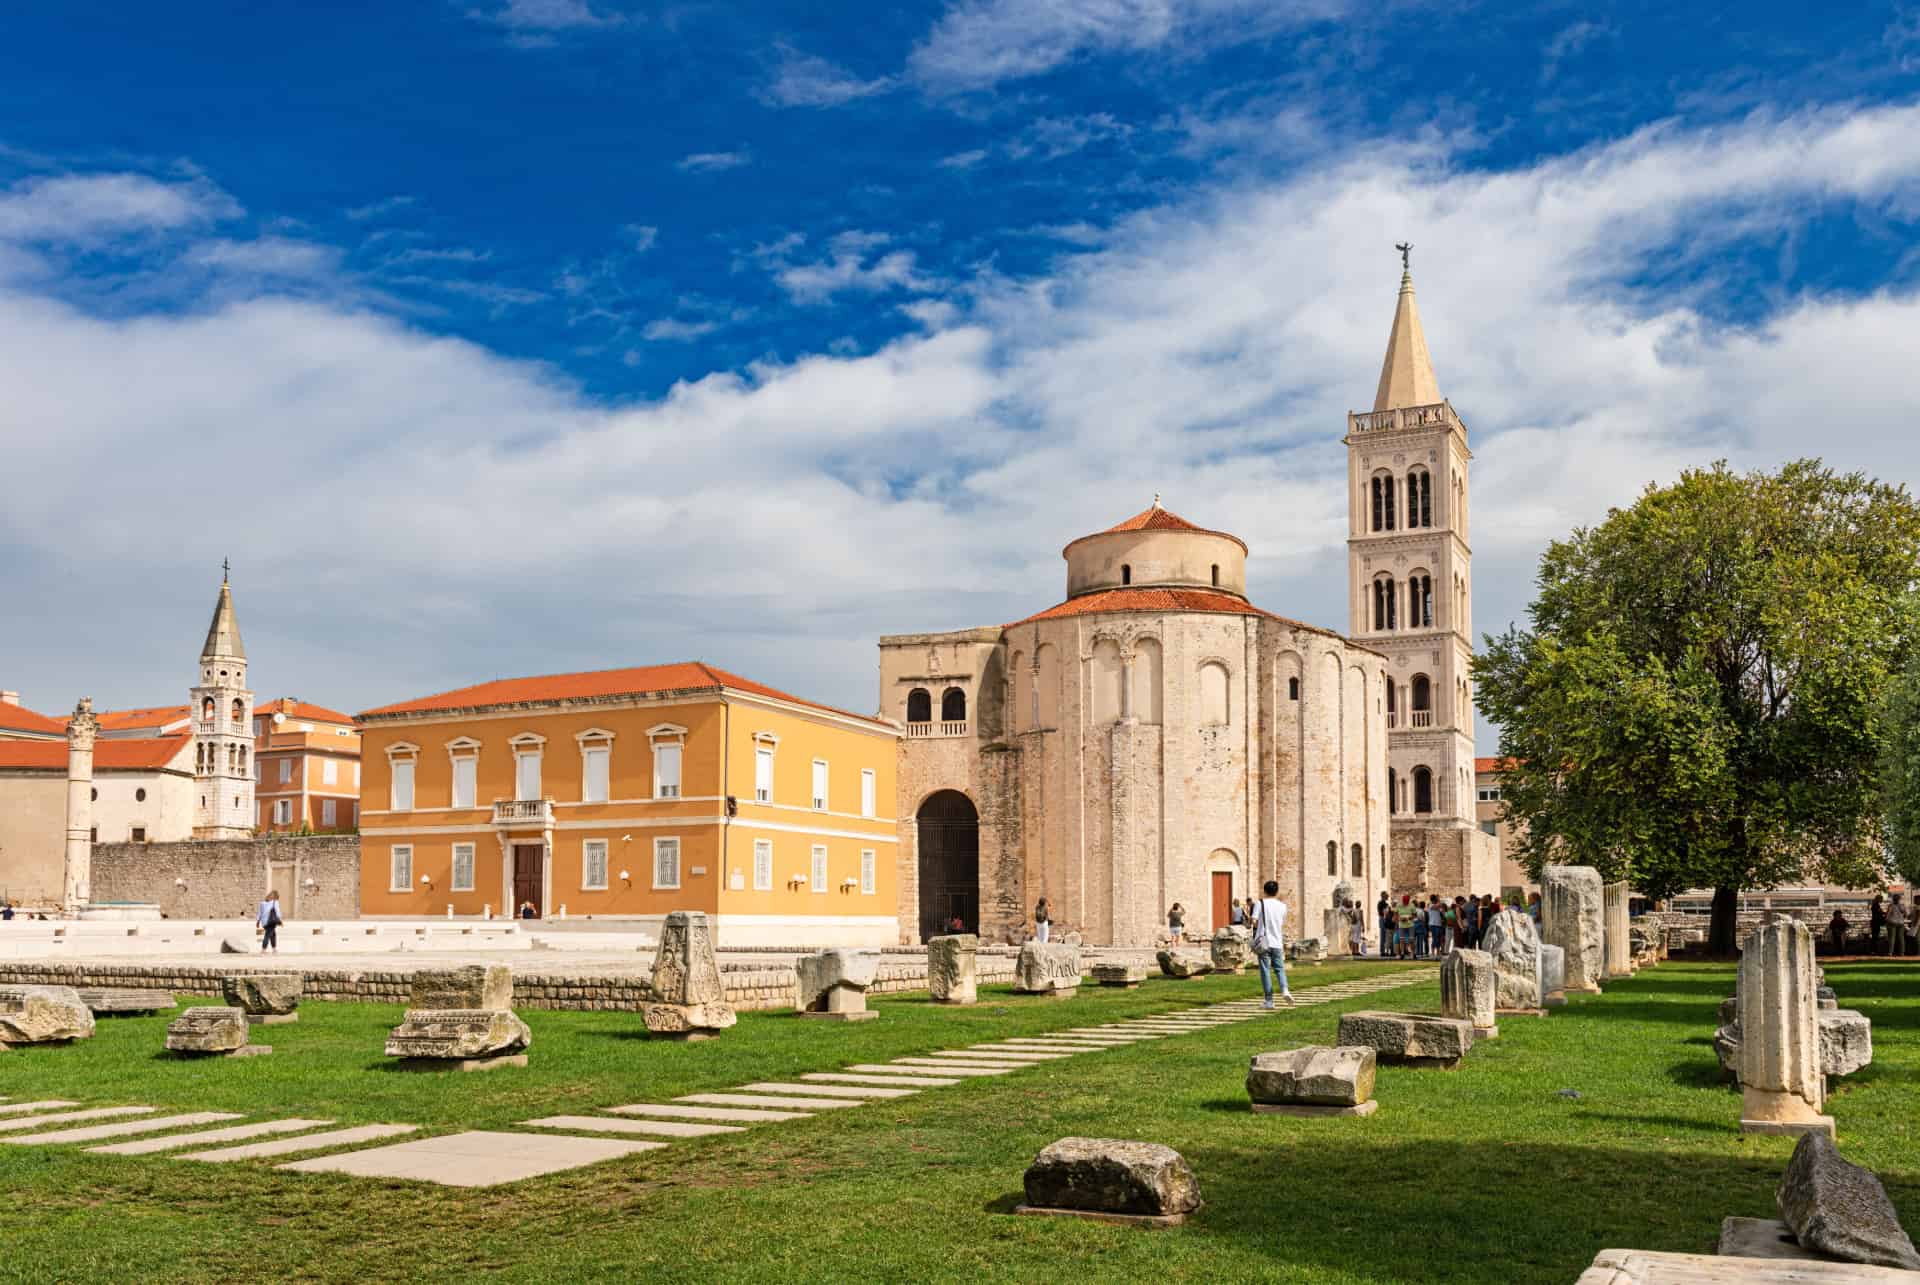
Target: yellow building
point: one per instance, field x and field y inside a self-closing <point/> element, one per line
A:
<point x="631" y="793"/>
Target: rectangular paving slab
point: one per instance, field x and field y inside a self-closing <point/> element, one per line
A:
<point x="918" y="1081"/>
<point x="765" y="1100"/>
<point x="207" y="1137"/>
<point x="683" y="1111"/>
<point x="45" y="1104"/>
<point x="307" y="1142"/>
<point x="1004" y="1056"/>
<point x="71" y="1117"/>
<point x="653" y="1128"/>
<point x="94" y="1132"/>
<point x="938" y="1068"/>
<point x="827" y="1090"/>
<point x="957" y="1065"/>
<point x="478" y="1158"/>
<point x="1027" y="1052"/>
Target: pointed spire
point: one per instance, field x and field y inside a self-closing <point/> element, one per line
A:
<point x="223" y="635"/>
<point x="1406" y="377"/>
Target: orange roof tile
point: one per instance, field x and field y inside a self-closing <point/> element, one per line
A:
<point x="1493" y="764"/>
<point x="1158" y="519"/>
<point x="136" y="755"/>
<point x="18" y="718"/>
<point x="691" y="676"/>
<point x="1149" y="599"/>
<point x="300" y="709"/>
<point x="129" y="720"/>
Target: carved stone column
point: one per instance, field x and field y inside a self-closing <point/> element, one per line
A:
<point x="1781" y="1083"/>
<point x="1619" y="950"/>
<point x="77" y="886"/>
<point x="1571" y="918"/>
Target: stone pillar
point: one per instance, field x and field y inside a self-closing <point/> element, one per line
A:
<point x="78" y="884"/>
<point x="689" y="999"/>
<point x="1468" y="986"/>
<point x="1619" y="948"/>
<point x="1513" y="944"/>
<point x="1571" y="918"/>
<point x="1781" y="1084"/>
<point x="951" y="968"/>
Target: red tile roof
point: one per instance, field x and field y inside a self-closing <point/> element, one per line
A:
<point x="300" y="709"/>
<point x="129" y="720"/>
<point x="689" y="677"/>
<point x="1493" y="765"/>
<point x="1147" y="599"/>
<point x="18" y="718"/>
<point x="1158" y="519"/>
<point x="139" y="754"/>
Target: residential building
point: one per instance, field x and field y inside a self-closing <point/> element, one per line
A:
<point x="18" y="723"/>
<point x="306" y="768"/>
<point x="631" y="793"/>
<point x="1490" y="813"/>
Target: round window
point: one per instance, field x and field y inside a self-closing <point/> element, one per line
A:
<point x="139" y="796"/>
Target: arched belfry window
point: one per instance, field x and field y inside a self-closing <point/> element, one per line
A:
<point x="1216" y="575"/>
<point x="1383" y="506"/>
<point x="239" y="710"/>
<point x="206" y="709"/>
<point x="1422" y="789"/>
<point x="1420" y="601"/>
<point x="1386" y="603"/>
<point x="1422" y="701"/>
<point x="1419" y="498"/>
<point x="953" y="706"/>
<point x="919" y="706"/>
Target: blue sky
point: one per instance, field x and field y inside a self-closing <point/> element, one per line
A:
<point x="502" y="338"/>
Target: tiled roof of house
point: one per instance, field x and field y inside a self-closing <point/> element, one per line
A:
<point x="301" y="709"/>
<point x="131" y="720"/>
<point x="18" y="718"/>
<point x="135" y="755"/>
<point x="1492" y="764"/>
<point x="690" y="677"/>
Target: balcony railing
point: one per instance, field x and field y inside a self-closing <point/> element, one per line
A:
<point x="523" y="811"/>
<point x="916" y="730"/>
<point x="1393" y="719"/>
<point x="1423" y="718"/>
<point x="1438" y="415"/>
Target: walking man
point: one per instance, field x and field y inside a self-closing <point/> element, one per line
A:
<point x="1269" y="943"/>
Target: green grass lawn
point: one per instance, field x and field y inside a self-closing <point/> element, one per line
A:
<point x="1483" y="1174"/>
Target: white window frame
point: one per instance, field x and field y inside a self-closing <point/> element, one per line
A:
<point x="595" y="740"/>
<point x="528" y="745"/>
<point x="768" y="744"/>
<point x="665" y="752"/>
<point x="463" y="749"/>
<point x="869" y="871"/>
<point x="662" y="735"/>
<point x="869" y="792"/>
<point x="400" y="876"/>
<point x="329" y="812"/>
<point x="661" y="844"/>
<point x="822" y="785"/>
<point x="329" y="772"/>
<point x="456" y="884"/>
<point x="283" y="811"/>
<point x="763" y="865"/>
<point x="286" y="769"/>
<point x="398" y="755"/>
<point x="819" y="872"/>
<point x="587" y="850"/>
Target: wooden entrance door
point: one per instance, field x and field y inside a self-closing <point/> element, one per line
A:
<point x="529" y="864"/>
<point x="1222" y="898"/>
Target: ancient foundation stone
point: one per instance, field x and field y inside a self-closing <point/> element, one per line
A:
<point x="105" y="1000"/>
<point x="1328" y="1080"/>
<point x="1553" y="975"/>
<point x="1846" y="1041"/>
<point x="834" y="983"/>
<point x="1726" y="1047"/>
<point x="1514" y="945"/>
<point x="951" y="968"/>
<point x="476" y="986"/>
<point x="1572" y="917"/>
<point x="452" y="1034"/>
<point x="1111" y="1177"/>
<point x="686" y="978"/>
<point x="1780" y="1077"/>
<point x="1183" y="965"/>
<point x="208" y="1030"/>
<point x="1617" y="947"/>
<point x="1410" y="1039"/>
<point x="1307" y="950"/>
<point x="1467" y="987"/>
<point x="1126" y="976"/>
<point x="1047" y="970"/>
<point x="1231" y="949"/>
<point x="688" y="1021"/>
<point x="1841" y="1210"/>
<point x="43" y="1015"/>
<point x="269" y="996"/>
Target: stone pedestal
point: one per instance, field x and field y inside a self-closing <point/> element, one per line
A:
<point x="689" y="1000"/>
<point x="474" y="986"/>
<point x="1313" y="1081"/>
<point x="1467" y="987"/>
<point x="832" y="985"/>
<point x="1231" y="949"/>
<point x="1618" y="944"/>
<point x="458" y="1035"/>
<point x="1047" y="970"/>
<point x="1782" y="1088"/>
<point x="268" y="999"/>
<point x="1120" y="976"/>
<point x="1572" y="917"/>
<point x="1409" y="1039"/>
<point x="43" y="1015"/>
<point x="208" y="1030"/>
<point x="952" y="968"/>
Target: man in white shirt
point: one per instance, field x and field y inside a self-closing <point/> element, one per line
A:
<point x="1269" y="943"/>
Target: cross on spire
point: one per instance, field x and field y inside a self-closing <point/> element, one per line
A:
<point x="1406" y="255"/>
<point x="225" y="568"/>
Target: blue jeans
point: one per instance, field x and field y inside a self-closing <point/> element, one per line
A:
<point x="1420" y="940"/>
<point x="1272" y="963"/>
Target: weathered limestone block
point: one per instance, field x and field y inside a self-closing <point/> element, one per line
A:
<point x="1726" y="1047"/>
<point x="1467" y="987"/>
<point x="1514" y="945"/>
<point x="1553" y="974"/>
<point x="1107" y="1176"/>
<point x="1047" y="969"/>
<point x="457" y="1034"/>
<point x="475" y="986"/>
<point x="208" y="1030"/>
<point x="1306" y="950"/>
<point x="1729" y="1009"/>
<point x="43" y="1015"/>
<point x="685" y="969"/>
<point x="1780" y="1077"/>
<point x="1320" y="1081"/>
<point x="101" y="1000"/>
<point x="1841" y="1210"/>
<point x="1572" y="917"/>
<point x="1125" y="976"/>
<point x="951" y="968"/>
<point x="1232" y="949"/>
<point x="1183" y="965"/>
<point x="1410" y="1039"/>
<point x="1616" y="946"/>
<point x="688" y="1021"/>
<point x="1846" y="1041"/>
<point x="835" y="982"/>
<point x="266" y="997"/>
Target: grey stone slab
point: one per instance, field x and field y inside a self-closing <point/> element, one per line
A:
<point x="956" y="1065"/>
<point x="684" y="1111"/>
<point x="44" y="1104"/>
<point x="918" y="1081"/>
<point x="1033" y="1052"/>
<point x="307" y="1142"/>
<point x="653" y="1128"/>
<point x="828" y="1090"/>
<point x="71" y="1117"/>
<point x="945" y="1068"/>
<point x="207" y="1137"/>
<point x="478" y="1158"/>
<point x="94" y="1132"/>
<point x="774" y="1101"/>
<point x="1003" y="1057"/>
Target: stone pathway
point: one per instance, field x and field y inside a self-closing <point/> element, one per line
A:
<point x="480" y="1158"/>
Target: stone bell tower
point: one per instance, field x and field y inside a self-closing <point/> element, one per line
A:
<point x="223" y="730"/>
<point x="1410" y="595"/>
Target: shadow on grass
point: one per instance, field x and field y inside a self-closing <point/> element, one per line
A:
<point x="1697" y="1074"/>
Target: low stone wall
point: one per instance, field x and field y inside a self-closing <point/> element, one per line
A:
<point x="226" y="878"/>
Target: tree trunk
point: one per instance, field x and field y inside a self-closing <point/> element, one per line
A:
<point x="1723" y="931"/>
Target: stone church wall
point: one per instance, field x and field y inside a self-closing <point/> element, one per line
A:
<point x="1449" y="860"/>
<point x="225" y="878"/>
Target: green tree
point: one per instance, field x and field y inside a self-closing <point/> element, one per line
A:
<point x="1900" y="765"/>
<point x="1699" y="701"/>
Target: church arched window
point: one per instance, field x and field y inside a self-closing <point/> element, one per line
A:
<point x="206" y="709"/>
<point x="919" y="706"/>
<point x="953" y="706"/>
<point x="1359" y="861"/>
<point x="1393" y="785"/>
<point x="1333" y="857"/>
<point x="1422" y="789"/>
<point x="1216" y="575"/>
<point x="1422" y="693"/>
<point x="1214" y="710"/>
<point x="1383" y="502"/>
<point x="1419" y="601"/>
<point x="1126" y="573"/>
<point x="1293" y="689"/>
<point x="239" y="710"/>
<point x="1386" y="603"/>
<point x="1419" y="498"/>
<point x="1393" y="713"/>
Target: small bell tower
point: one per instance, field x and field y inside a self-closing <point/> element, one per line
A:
<point x="223" y="729"/>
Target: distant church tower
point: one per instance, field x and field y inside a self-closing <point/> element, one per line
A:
<point x="223" y="730"/>
<point x="1410" y="591"/>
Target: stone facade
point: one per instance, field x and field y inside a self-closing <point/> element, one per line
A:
<point x="226" y="878"/>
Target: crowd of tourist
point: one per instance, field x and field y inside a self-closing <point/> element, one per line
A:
<point x="1417" y="926"/>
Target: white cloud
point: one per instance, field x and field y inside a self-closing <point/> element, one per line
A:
<point x="1052" y="137"/>
<point x="964" y="160"/>
<point x="713" y="162"/>
<point x="644" y="235"/>
<point x="856" y="261"/>
<point x="85" y="209"/>
<point x="778" y="519"/>
<point x="545" y="15"/>
<point x="675" y="330"/>
<point x="270" y="256"/>
<point x="379" y="209"/>
<point x="806" y="80"/>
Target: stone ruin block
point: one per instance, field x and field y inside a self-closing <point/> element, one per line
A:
<point x="43" y="1015"/>
<point x="952" y="968"/>
<point x="1468" y="984"/>
<point x="1113" y="1180"/>
<point x="1617" y="945"/>
<point x="1313" y="1081"/>
<point x="1047" y="970"/>
<point x="1781" y="1082"/>
<point x="459" y="1035"/>
<point x="1846" y="1041"/>
<point x="1307" y="950"/>
<point x="1122" y="976"/>
<point x="270" y="997"/>
<point x="1182" y="966"/>
<point x="1231" y="949"/>
<point x="1572" y="917"/>
<point x="833" y="984"/>
<point x="105" y="1001"/>
<point x="210" y="1030"/>
<point x="1409" y="1039"/>
<point x="688" y="1021"/>
<point x="1553" y="975"/>
<point x="1841" y="1210"/>
<point x="689" y="999"/>
<point x="476" y="986"/>
<point x="1513" y="944"/>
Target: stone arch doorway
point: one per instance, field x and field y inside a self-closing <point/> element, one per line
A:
<point x="948" y="830"/>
